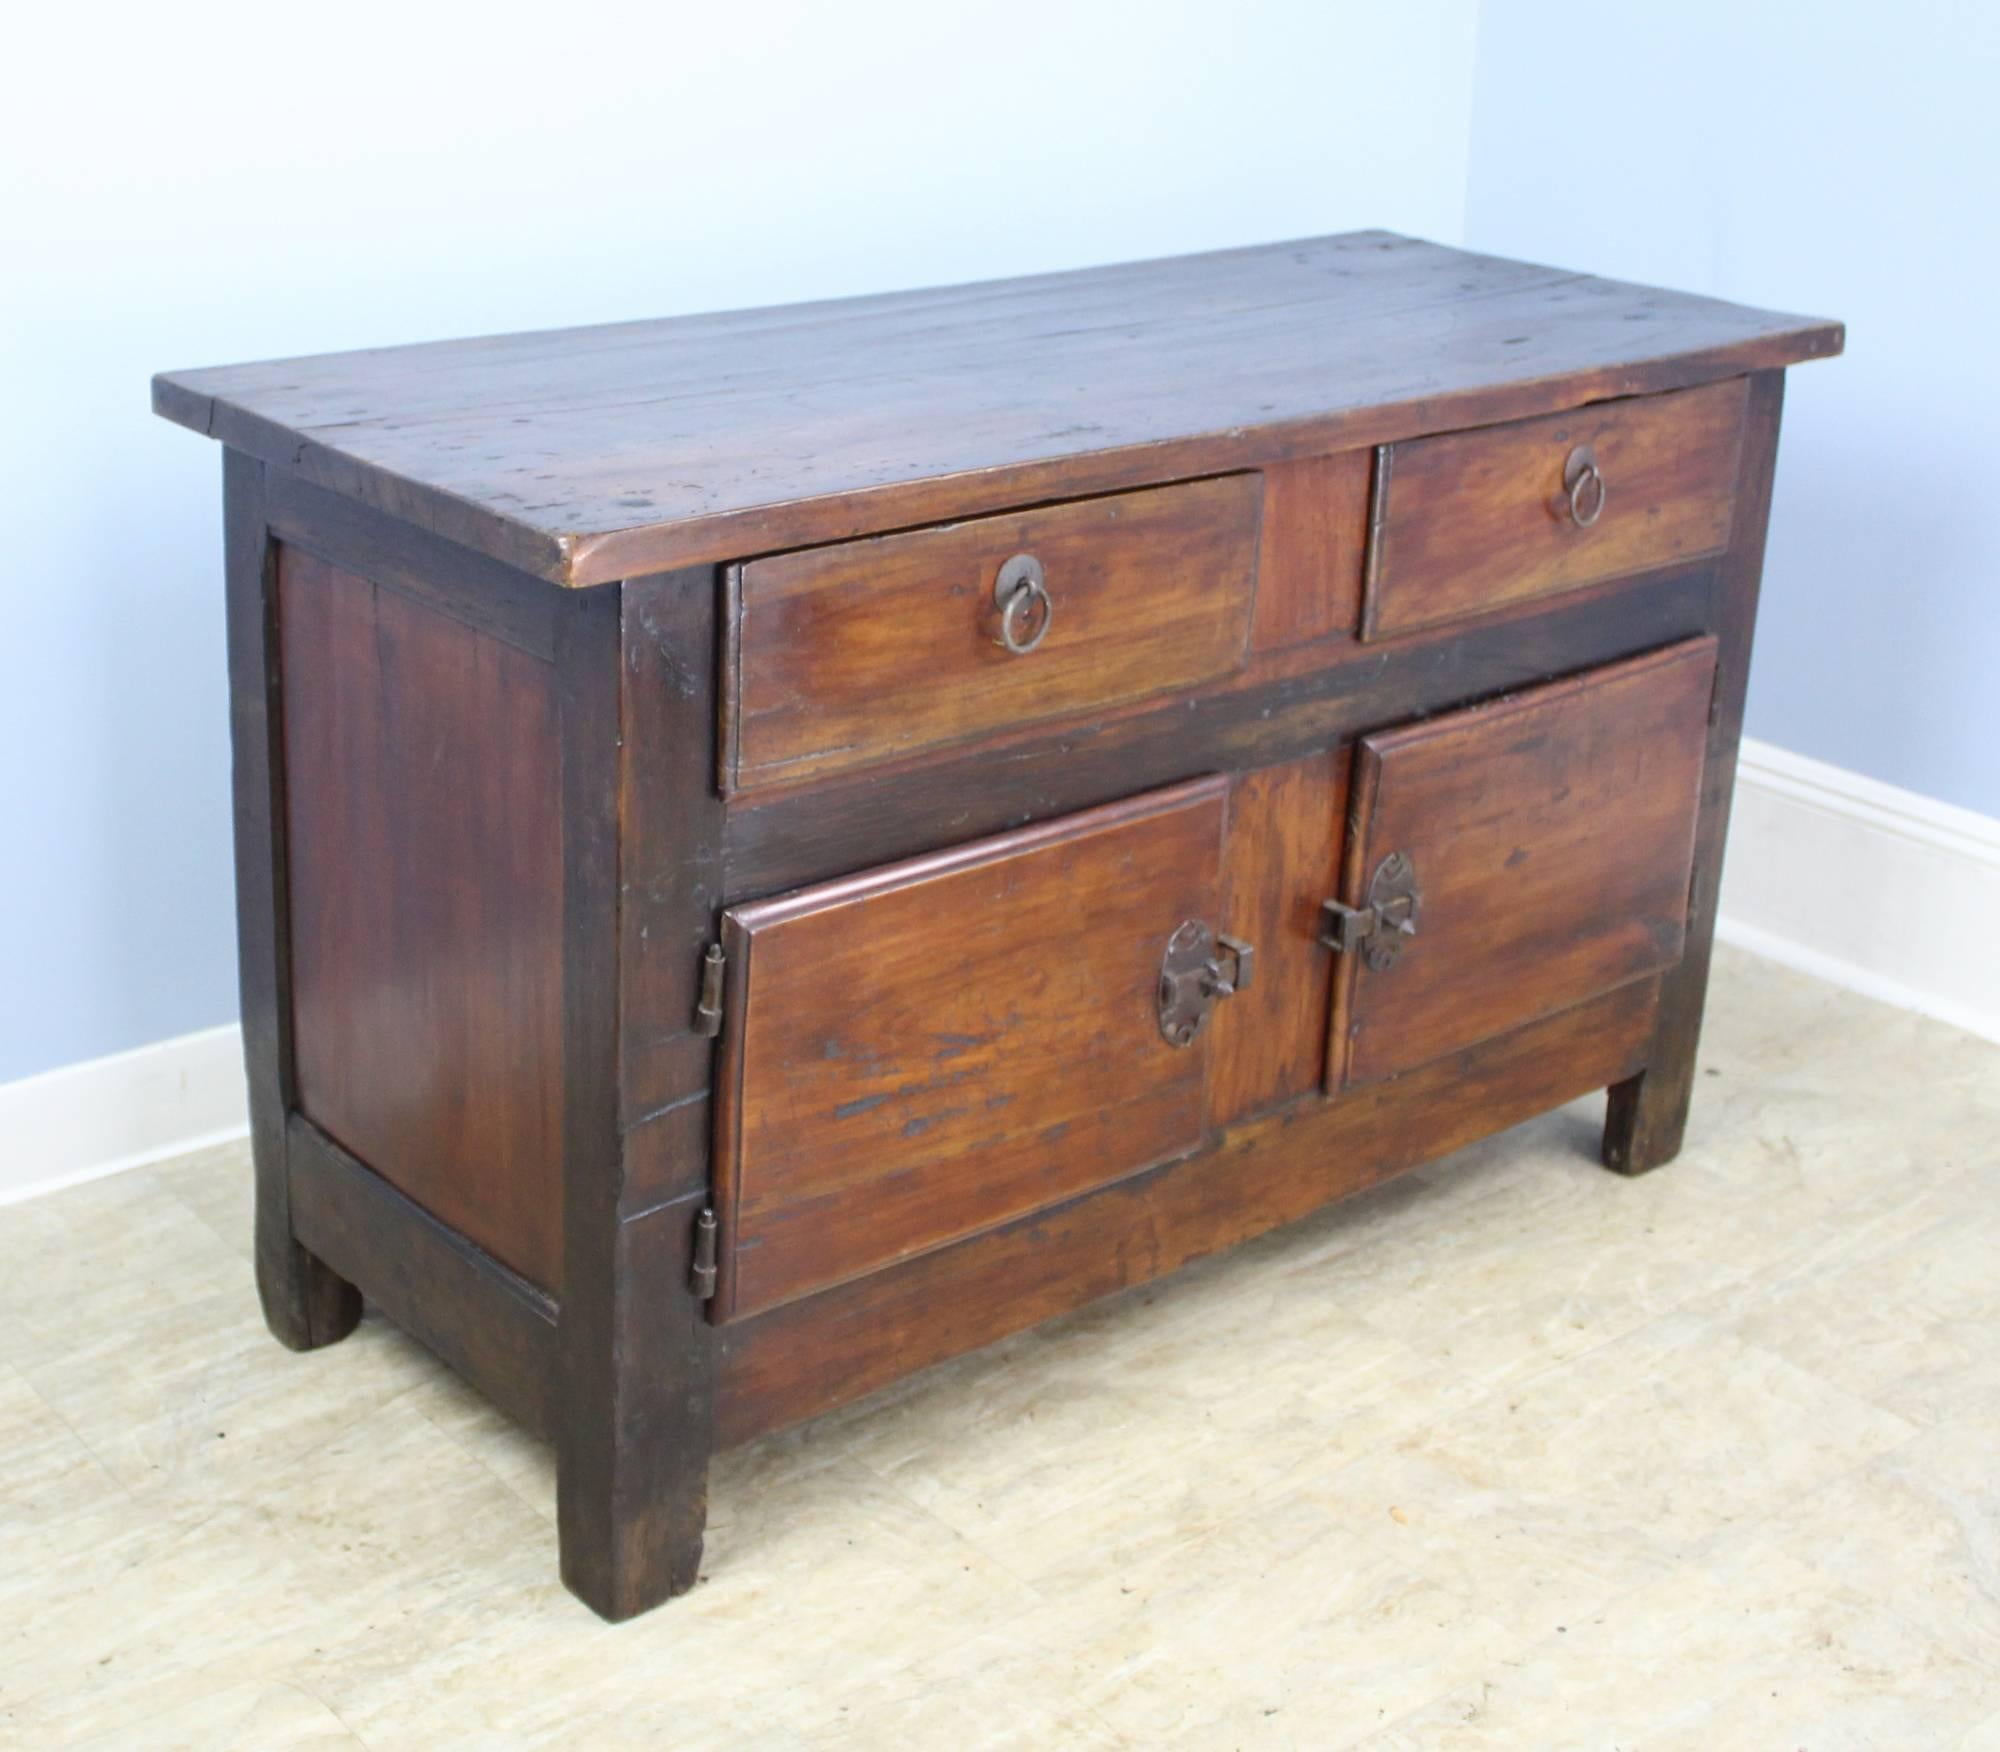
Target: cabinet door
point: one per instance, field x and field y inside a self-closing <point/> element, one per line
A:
<point x="1538" y="849"/>
<point x="922" y="1051"/>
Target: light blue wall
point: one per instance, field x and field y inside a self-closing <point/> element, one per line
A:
<point x="239" y="181"/>
<point x="1837" y="159"/>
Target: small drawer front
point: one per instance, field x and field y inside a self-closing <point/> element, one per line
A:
<point x="1470" y="522"/>
<point x="924" y="1051"/>
<point x="837" y="657"/>
<point x="1517" y="858"/>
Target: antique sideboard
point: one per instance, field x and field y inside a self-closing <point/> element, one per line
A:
<point x="774" y="848"/>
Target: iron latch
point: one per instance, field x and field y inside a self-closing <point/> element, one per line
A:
<point x="702" y="1277"/>
<point x="1375" y="930"/>
<point x="1199" y="968"/>
<point x="708" y="1007"/>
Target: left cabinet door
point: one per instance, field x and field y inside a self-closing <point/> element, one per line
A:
<point x="923" y="1051"/>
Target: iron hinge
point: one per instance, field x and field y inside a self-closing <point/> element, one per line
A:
<point x="702" y="1276"/>
<point x="1375" y="930"/>
<point x="708" y="1007"/>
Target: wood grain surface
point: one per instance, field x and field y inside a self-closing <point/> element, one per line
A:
<point x="1469" y="522"/>
<point x="929" y="1049"/>
<point x="586" y="455"/>
<point x="843" y="656"/>
<point x="1552" y="833"/>
<point x="815" y="1354"/>
<point x="425" y="826"/>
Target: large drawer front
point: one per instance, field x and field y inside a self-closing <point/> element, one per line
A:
<point x="925" y="1050"/>
<point x="838" y="657"/>
<point x="1548" y="839"/>
<point x="1471" y="522"/>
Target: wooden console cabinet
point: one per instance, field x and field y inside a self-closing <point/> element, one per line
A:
<point x="774" y="848"/>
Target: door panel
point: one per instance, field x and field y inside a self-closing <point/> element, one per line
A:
<point x="920" y="1052"/>
<point x="1551" y="837"/>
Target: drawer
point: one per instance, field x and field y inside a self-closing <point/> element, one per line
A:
<point x="1515" y="859"/>
<point x="837" y="657"/>
<point x="1470" y="522"/>
<point x="929" y="1049"/>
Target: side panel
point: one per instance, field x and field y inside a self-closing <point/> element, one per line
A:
<point x="424" y="809"/>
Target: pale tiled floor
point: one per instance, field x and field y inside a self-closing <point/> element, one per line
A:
<point x="1513" y="1453"/>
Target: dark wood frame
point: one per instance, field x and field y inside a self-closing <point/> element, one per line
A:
<point x="622" y="1369"/>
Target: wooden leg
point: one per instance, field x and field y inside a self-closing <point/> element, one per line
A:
<point x="305" y="1304"/>
<point x="635" y="1409"/>
<point x="636" y="1421"/>
<point x="1647" y="1116"/>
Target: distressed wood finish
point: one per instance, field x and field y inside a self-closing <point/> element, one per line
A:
<point x="844" y="656"/>
<point x="1551" y="834"/>
<point x="567" y="670"/>
<point x="589" y="455"/>
<point x="798" y="1361"/>
<point x="935" y="1047"/>
<point x="425" y="817"/>
<point x="1470" y="522"/>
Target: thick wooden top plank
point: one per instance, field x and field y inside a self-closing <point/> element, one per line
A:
<point x="583" y="455"/>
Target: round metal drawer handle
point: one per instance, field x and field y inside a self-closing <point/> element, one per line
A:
<point x="1027" y="610"/>
<point x="1583" y="485"/>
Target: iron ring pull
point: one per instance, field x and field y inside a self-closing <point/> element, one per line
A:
<point x="1027" y="610"/>
<point x="1580" y="476"/>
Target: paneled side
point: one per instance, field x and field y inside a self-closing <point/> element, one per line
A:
<point x="424" y="812"/>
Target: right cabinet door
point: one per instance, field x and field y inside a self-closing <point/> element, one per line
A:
<point x="1515" y="858"/>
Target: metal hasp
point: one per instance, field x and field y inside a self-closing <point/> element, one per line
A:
<point x="1377" y="928"/>
<point x="1200" y="967"/>
<point x="701" y="1277"/>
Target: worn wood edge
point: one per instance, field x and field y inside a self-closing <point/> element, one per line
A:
<point x="579" y="559"/>
<point x="808" y="1357"/>
<point x="487" y="1322"/>
<point x="726" y="1146"/>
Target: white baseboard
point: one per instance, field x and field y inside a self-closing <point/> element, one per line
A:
<point x="79" y="1121"/>
<point x="1886" y="892"/>
<point x="1867" y="886"/>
